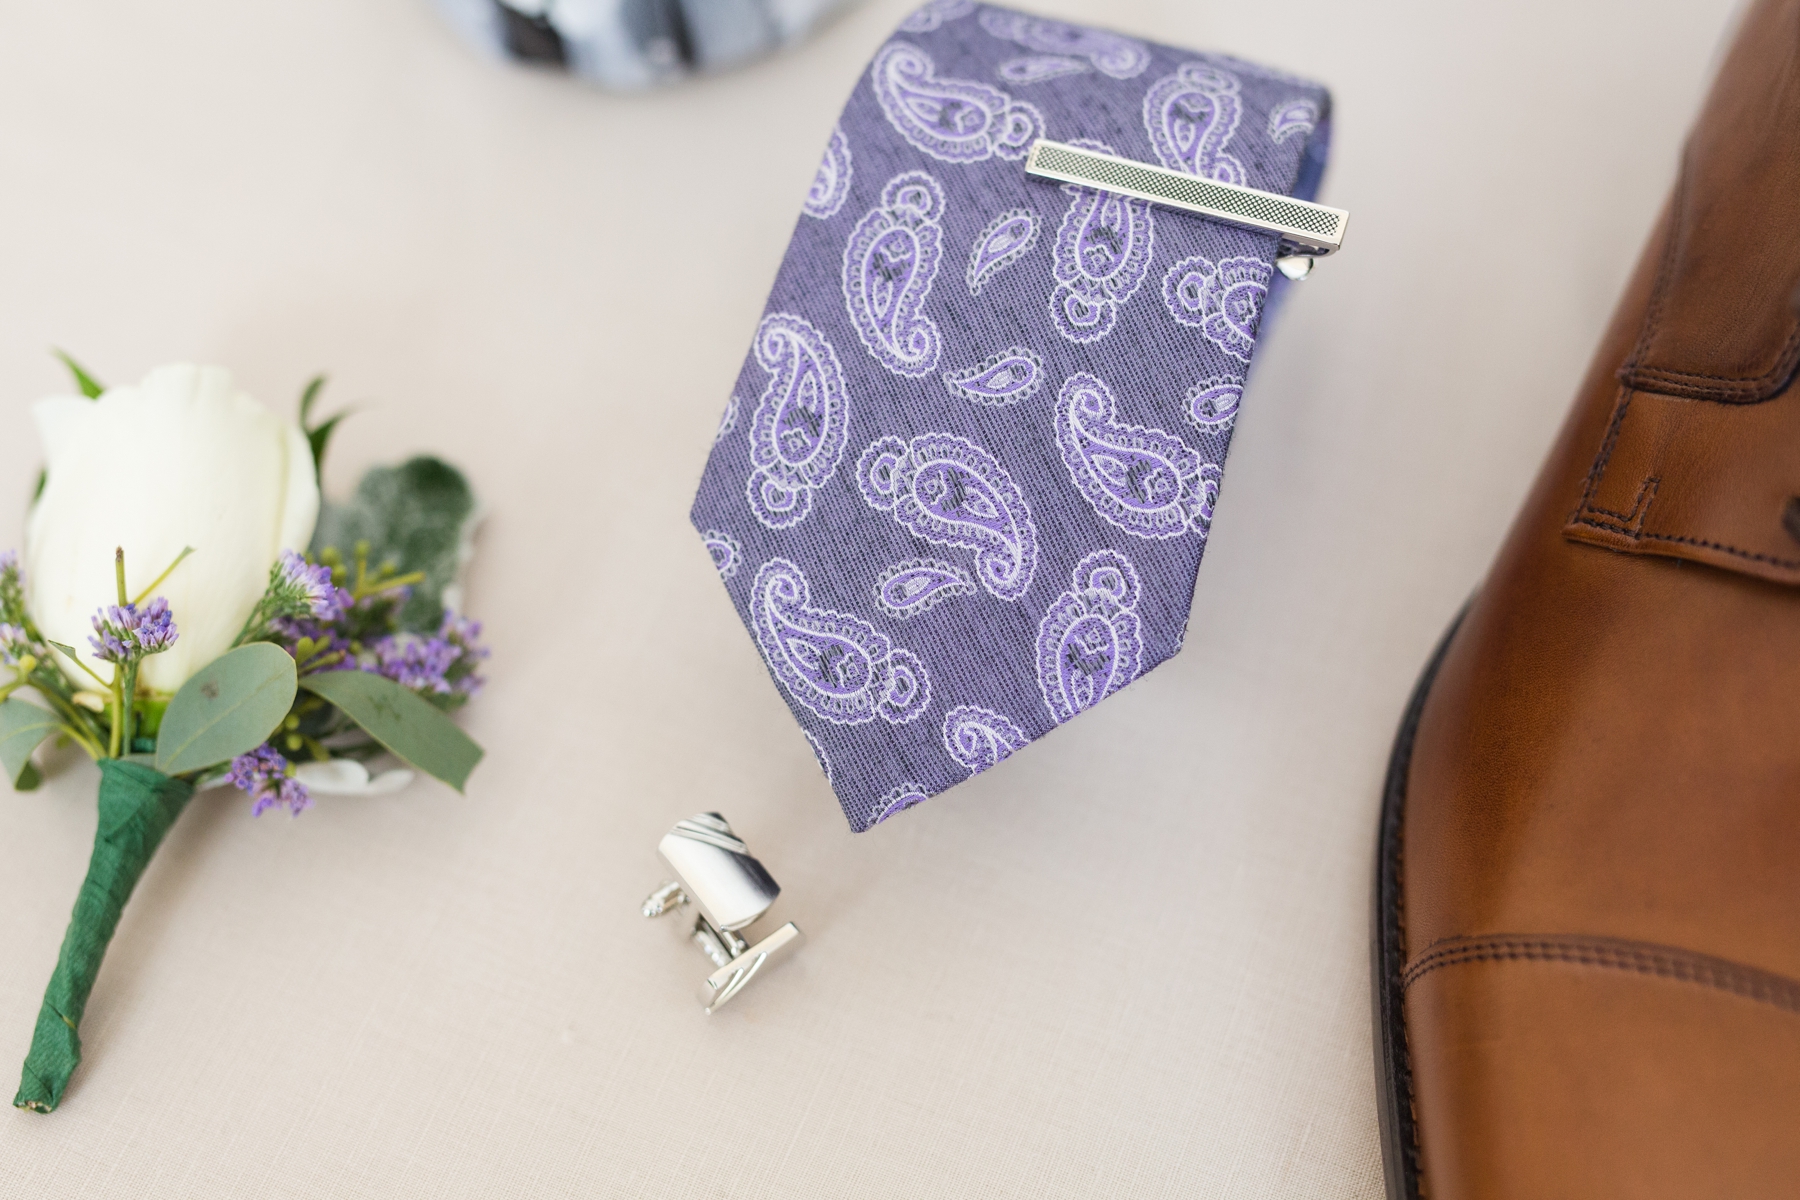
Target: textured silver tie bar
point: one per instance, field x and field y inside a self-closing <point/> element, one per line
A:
<point x="1307" y="230"/>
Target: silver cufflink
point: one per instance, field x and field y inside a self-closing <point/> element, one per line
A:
<point x="718" y="876"/>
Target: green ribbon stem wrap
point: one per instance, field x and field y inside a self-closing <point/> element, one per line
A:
<point x="137" y="807"/>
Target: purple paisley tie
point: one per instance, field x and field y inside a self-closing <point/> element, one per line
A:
<point x="962" y="487"/>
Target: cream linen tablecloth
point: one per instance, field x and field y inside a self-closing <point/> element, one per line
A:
<point x="1130" y="962"/>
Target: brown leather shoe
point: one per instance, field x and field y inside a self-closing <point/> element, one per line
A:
<point x="1588" y="906"/>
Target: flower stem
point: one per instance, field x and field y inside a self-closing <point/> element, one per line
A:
<point x="137" y="807"/>
<point x="76" y="719"/>
<point x="118" y="718"/>
<point x="131" y="674"/>
<point x="167" y="571"/>
<point x="320" y="662"/>
<point x="366" y="587"/>
<point x="253" y="624"/>
<point x="118" y="679"/>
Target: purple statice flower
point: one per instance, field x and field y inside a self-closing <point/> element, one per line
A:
<point x="12" y="588"/>
<point x="464" y="634"/>
<point x="156" y="630"/>
<point x="16" y="641"/>
<point x="290" y="630"/>
<point x="124" y="633"/>
<point x="15" y="644"/>
<point x="265" y="776"/>
<point x="443" y="664"/>
<point x="416" y="662"/>
<point x="298" y="588"/>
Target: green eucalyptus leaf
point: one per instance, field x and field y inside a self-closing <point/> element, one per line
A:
<point x="22" y="726"/>
<point x="90" y="387"/>
<point x="307" y="398"/>
<point x="319" y="438"/>
<point x="69" y="653"/>
<point x="87" y="671"/>
<point x="418" y="515"/>
<point x="406" y="724"/>
<point x="228" y="708"/>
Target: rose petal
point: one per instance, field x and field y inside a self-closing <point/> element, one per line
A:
<point x="347" y="777"/>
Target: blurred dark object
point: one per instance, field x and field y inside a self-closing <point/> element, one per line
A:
<point x="632" y="44"/>
<point x="531" y="39"/>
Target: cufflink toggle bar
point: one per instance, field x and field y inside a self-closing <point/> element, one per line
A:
<point x="720" y="878"/>
<point x="1307" y="230"/>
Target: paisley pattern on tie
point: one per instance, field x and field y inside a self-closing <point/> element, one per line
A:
<point x="835" y="665"/>
<point x="979" y="738"/>
<point x="1004" y="378"/>
<point x="1039" y="67"/>
<point x="956" y="120"/>
<point x="1090" y="643"/>
<point x="901" y="798"/>
<point x="1212" y="404"/>
<point x="728" y="422"/>
<point x="916" y="507"/>
<point x="934" y="13"/>
<point x="1007" y="238"/>
<point x="1119" y="57"/>
<point x="1225" y="301"/>
<point x="918" y="584"/>
<point x="1146" y="481"/>
<point x="1100" y="259"/>
<point x="948" y="490"/>
<point x="831" y="183"/>
<point x="802" y="421"/>
<point x="727" y="552"/>
<point x="1295" y="118"/>
<point x="890" y="262"/>
<point x="1190" y="116"/>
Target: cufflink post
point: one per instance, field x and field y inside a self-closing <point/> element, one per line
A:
<point x="1295" y="266"/>
<point x="722" y="889"/>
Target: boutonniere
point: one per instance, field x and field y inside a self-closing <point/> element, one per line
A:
<point x="188" y="613"/>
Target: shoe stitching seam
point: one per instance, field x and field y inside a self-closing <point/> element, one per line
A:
<point x="1704" y="543"/>
<point x="1640" y="505"/>
<point x="1636" y="532"/>
<point x="1664" y="270"/>
<point x="1751" y="388"/>
<point x="1684" y="966"/>
<point x="1592" y="483"/>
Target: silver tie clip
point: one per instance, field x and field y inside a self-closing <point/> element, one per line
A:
<point x="731" y="889"/>
<point x="1307" y="230"/>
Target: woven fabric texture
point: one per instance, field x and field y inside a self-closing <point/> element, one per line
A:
<point x="965" y="479"/>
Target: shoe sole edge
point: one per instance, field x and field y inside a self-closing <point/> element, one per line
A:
<point x="1387" y="951"/>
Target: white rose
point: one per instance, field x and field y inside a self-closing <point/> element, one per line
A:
<point x="182" y="459"/>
